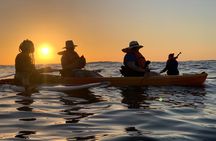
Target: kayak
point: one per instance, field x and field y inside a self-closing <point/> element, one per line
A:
<point x="160" y="80"/>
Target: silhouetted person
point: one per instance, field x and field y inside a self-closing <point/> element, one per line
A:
<point x="135" y="63"/>
<point x="171" y="65"/>
<point x="70" y="60"/>
<point x="24" y="65"/>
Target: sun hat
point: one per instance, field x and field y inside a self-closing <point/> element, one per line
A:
<point x="132" y="44"/>
<point x="69" y="44"/>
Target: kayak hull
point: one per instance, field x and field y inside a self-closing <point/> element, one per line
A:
<point x="180" y="80"/>
<point x="161" y="80"/>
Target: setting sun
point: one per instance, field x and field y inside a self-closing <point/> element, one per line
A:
<point x="45" y="50"/>
<point x="45" y="53"/>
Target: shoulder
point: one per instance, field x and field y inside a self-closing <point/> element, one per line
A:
<point x="74" y="52"/>
<point x="130" y="57"/>
<point x="18" y="55"/>
<point x="21" y="55"/>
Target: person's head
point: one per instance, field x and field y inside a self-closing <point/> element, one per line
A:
<point x="133" y="46"/>
<point x="171" y="56"/>
<point x="26" y="46"/>
<point x="69" y="45"/>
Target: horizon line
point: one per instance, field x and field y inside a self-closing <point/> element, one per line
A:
<point x="113" y="62"/>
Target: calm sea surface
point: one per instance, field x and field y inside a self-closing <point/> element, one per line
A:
<point x="168" y="113"/>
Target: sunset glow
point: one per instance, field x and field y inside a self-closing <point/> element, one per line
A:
<point x="44" y="52"/>
<point x="103" y="27"/>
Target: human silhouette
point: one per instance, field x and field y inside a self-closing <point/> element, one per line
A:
<point x="72" y="64"/>
<point x="70" y="59"/>
<point x="135" y="63"/>
<point x="171" y="65"/>
<point x="24" y="65"/>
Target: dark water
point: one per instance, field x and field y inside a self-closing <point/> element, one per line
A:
<point x="168" y="113"/>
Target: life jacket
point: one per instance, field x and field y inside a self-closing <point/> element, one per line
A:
<point x="141" y="61"/>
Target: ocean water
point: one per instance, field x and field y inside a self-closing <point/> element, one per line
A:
<point x="165" y="113"/>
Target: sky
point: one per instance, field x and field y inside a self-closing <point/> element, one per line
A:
<point x="101" y="28"/>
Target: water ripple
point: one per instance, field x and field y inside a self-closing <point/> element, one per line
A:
<point x="114" y="113"/>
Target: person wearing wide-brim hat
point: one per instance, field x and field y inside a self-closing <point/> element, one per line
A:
<point x="133" y="45"/>
<point x="135" y="63"/>
<point x="69" y="45"/>
<point x="70" y="59"/>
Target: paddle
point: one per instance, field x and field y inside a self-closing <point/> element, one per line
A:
<point x="41" y="70"/>
<point x="7" y="75"/>
<point x="178" y="55"/>
<point x="46" y="70"/>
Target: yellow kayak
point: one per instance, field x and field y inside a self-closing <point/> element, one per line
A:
<point x="161" y="80"/>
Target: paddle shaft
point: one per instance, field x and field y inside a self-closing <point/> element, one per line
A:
<point x="7" y="75"/>
<point x="178" y="55"/>
<point x="40" y="71"/>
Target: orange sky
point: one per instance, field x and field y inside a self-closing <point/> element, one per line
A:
<point x="102" y="28"/>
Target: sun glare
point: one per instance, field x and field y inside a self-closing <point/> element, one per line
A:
<point x="44" y="51"/>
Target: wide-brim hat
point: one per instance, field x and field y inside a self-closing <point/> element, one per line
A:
<point x="69" y="44"/>
<point x="132" y="45"/>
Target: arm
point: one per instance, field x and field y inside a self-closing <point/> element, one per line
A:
<point x="82" y="62"/>
<point x="73" y="61"/>
<point x="165" y="69"/>
<point x="71" y="65"/>
<point x="177" y="55"/>
<point x="134" y="67"/>
<point x="68" y="60"/>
